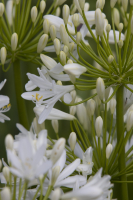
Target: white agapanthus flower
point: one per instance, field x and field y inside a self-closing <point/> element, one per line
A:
<point x="48" y="94"/>
<point x="4" y="104"/>
<point x="97" y="188"/>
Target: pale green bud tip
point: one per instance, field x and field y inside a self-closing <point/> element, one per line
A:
<point x="58" y="11"/>
<point x="55" y="174"/>
<point x="110" y="59"/>
<point x="72" y="110"/>
<point x="3" y="54"/>
<point x="120" y="27"/>
<point x="42" y="6"/>
<point x="9" y="141"/>
<point x="6" y="173"/>
<point x="108" y="28"/>
<point x="131" y="2"/>
<point x="52" y="31"/>
<point x="63" y="57"/>
<point x="99" y="22"/>
<point x="46" y="26"/>
<point x="112" y="3"/>
<point x="100" y="87"/>
<point x="75" y="19"/>
<point x="91" y="105"/>
<point x="109" y="149"/>
<point x="5" y="194"/>
<point x="69" y="61"/>
<point x="66" y="50"/>
<point x="14" y="41"/>
<point x="58" y="150"/>
<point x="130" y="120"/>
<point x="82" y="4"/>
<point x="99" y="126"/>
<point x="100" y="4"/>
<point x="86" y="7"/>
<point x="72" y="140"/>
<point x="56" y="194"/>
<point x="124" y="4"/>
<point x="34" y="13"/>
<point x="116" y="17"/>
<point x="66" y="13"/>
<point x="57" y="46"/>
<point x="112" y="105"/>
<point x="55" y="125"/>
<point x="2" y="8"/>
<point x="120" y="43"/>
<point x="42" y="43"/>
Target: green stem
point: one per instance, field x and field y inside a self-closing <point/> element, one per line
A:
<point x="120" y="135"/>
<point x="23" y="118"/>
<point x="48" y="192"/>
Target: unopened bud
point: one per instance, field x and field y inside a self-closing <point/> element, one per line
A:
<point x="132" y="25"/>
<point x="69" y="61"/>
<point x="64" y="35"/>
<point x="55" y="125"/>
<point x="58" y="150"/>
<point x="110" y="59"/>
<point x="131" y="2"/>
<point x="42" y="43"/>
<point x="55" y="174"/>
<point x="34" y="13"/>
<point x="99" y="22"/>
<point x="100" y="87"/>
<point x="100" y="4"/>
<point x="120" y="27"/>
<point x="5" y="194"/>
<point x="109" y="149"/>
<point x="14" y="41"/>
<point x="82" y="4"/>
<point x="66" y="50"/>
<point x="66" y="13"/>
<point x="52" y="31"/>
<point x="42" y="6"/>
<point x="73" y="110"/>
<point x="56" y="194"/>
<point x="75" y="19"/>
<point x="57" y="13"/>
<point x="86" y="7"/>
<point x="130" y="120"/>
<point x="6" y="173"/>
<point x="112" y="105"/>
<point x="72" y="46"/>
<point x="91" y="105"/>
<point x="62" y="57"/>
<point x="72" y="140"/>
<point x="120" y="43"/>
<point x="2" y="8"/>
<point x="78" y="37"/>
<point x="3" y="54"/>
<point x="124" y="4"/>
<point x="125" y="22"/>
<point x="99" y="126"/>
<point x="116" y="17"/>
<point x="9" y="142"/>
<point x="46" y="26"/>
<point x="108" y="28"/>
<point x="73" y="95"/>
<point x="112" y="3"/>
<point x="57" y="46"/>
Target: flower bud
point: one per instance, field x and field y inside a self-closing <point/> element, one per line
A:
<point x="130" y="120"/>
<point x="14" y="41"/>
<point x="99" y="22"/>
<point x="6" y="173"/>
<point x="110" y="59"/>
<point x="56" y="194"/>
<point x="72" y="46"/>
<point x="46" y="26"/>
<point x="78" y="37"/>
<point x="86" y="7"/>
<point x="3" y="54"/>
<point x="109" y="149"/>
<point x="57" y="13"/>
<point x="62" y="57"/>
<point x="82" y="4"/>
<point x="57" y="46"/>
<point x="99" y="126"/>
<point x="73" y="110"/>
<point x="100" y="4"/>
<point x="0" y="164"/>
<point x="131" y="2"/>
<point x="42" y="43"/>
<point x="66" y="13"/>
<point x="69" y="61"/>
<point x="108" y="28"/>
<point x="73" y="95"/>
<point x="120" y="27"/>
<point x="64" y="35"/>
<point x="132" y="25"/>
<point x="112" y="3"/>
<point x="2" y="8"/>
<point x="9" y="141"/>
<point x="55" y="174"/>
<point x="120" y="43"/>
<point x="55" y="125"/>
<point x="112" y="105"/>
<point x="100" y="87"/>
<point x="42" y="6"/>
<point x="5" y="194"/>
<point x="66" y="50"/>
<point x="116" y="17"/>
<point x="34" y="13"/>
<point x="72" y="140"/>
<point x="75" y="19"/>
<point x="52" y="31"/>
<point x="58" y="150"/>
<point x="91" y="105"/>
<point x="124" y="4"/>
